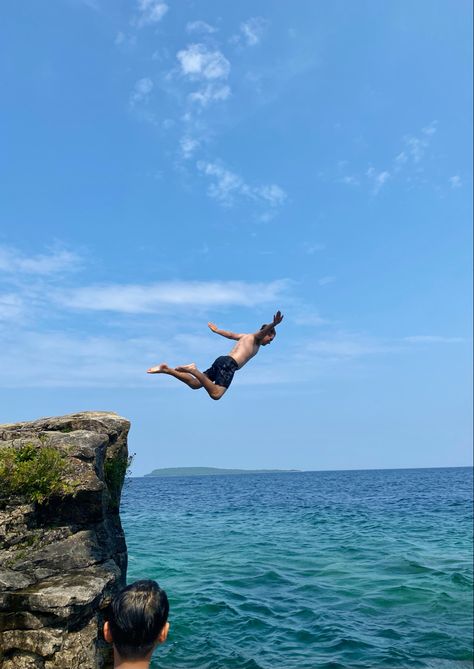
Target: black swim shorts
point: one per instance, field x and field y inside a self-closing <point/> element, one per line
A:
<point x="222" y="370"/>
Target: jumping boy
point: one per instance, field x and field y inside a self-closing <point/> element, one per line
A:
<point x="218" y="377"/>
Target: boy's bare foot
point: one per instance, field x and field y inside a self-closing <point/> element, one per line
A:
<point x="159" y="369"/>
<point x="186" y="368"/>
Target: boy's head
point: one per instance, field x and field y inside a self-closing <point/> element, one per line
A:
<point x="137" y="620"/>
<point x="269" y="337"/>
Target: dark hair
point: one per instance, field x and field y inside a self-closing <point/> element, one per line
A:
<point x="272" y="331"/>
<point x="136" y="617"/>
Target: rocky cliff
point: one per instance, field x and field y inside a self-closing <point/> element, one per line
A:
<point x="62" y="549"/>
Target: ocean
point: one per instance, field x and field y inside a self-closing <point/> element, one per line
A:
<point x="311" y="570"/>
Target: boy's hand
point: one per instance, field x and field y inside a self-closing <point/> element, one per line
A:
<point x="213" y="327"/>
<point x="277" y="318"/>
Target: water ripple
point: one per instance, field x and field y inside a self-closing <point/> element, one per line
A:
<point x="320" y="570"/>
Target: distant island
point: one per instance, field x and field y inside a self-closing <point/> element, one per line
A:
<point x="213" y="471"/>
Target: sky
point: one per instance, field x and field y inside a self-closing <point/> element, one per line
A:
<point x="165" y="164"/>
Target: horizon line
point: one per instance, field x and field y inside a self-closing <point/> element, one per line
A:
<point x="264" y="470"/>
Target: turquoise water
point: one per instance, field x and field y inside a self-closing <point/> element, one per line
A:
<point x="317" y="570"/>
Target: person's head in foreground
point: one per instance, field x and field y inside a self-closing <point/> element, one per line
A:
<point x="137" y="622"/>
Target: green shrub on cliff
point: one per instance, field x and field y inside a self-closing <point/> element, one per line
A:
<point x="116" y="469"/>
<point x="34" y="473"/>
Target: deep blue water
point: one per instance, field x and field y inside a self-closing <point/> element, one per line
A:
<point x="315" y="570"/>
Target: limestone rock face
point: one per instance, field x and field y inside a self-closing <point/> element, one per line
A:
<point x="61" y="561"/>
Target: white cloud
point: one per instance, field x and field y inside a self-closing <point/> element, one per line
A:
<point x="415" y="147"/>
<point x="11" y="306"/>
<point x="200" y="27"/>
<point x="13" y="261"/>
<point x="199" y="62"/>
<point x="409" y="158"/>
<point x="400" y="160"/>
<point x="324" y="280"/>
<point x="251" y="31"/>
<point x="135" y="299"/>
<point x="350" y="180"/>
<point x="150" y="12"/>
<point x="310" y="319"/>
<point x="348" y="346"/>
<point x="273" y="194"/>
<point x="455" y="181"/>
<point x="430" y="129"/>
<point x="378" y="179"/>
<point x="123" y="40"/>
<point x="433" y="339"/>
<point x="226" y="186"/>
<point x="210" y="93"/>
<point x="188" y="146"/>
<point x="57" y="359"/>
<point x="141" y="91"/>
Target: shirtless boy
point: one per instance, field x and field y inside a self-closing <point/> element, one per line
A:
<point x="218" y="377"/>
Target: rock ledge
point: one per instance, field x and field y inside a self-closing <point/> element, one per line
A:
<point x="61" y="561"/>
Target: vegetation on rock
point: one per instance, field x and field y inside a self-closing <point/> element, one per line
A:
<point x="33" y="473"/>
<point x="115" y="470"/>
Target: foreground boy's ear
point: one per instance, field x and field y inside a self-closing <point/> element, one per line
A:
<point x="107" y="633"/>
<point x="163" y="634"/>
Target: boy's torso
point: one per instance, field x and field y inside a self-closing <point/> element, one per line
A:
<point x="245" y="349"/>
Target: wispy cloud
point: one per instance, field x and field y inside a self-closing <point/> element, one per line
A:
<point x="135" y="299"/>
<point x="251" y="31"/>
<point x="210" y="93"/>
<point x="433" y="339"/>
<point x="413" y="152"/>
<point x="378" y="179"/>
<point x="198" y="84"/>
<point x="200" y="27"/>
<point x="324" y="280"/>
<point x="57" y="332"/>
<point x="309" y="318"/>
<point x="13" y="261"/>
<point x="141" y="91"/>
<point x="11" y="306"/>
<point x="416" y="146"/>
<point x="150" y="12"/>
<point x="227" y="186"/>
<point x="455" y="181"/>
<point x="59" y="359"/>
<point x="347" y="345"/>
<point x="188" y="146"/>
<point x="123" y="40"/>
<point x="350" y="180"/>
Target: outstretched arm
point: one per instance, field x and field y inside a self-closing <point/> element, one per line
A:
<point x="224" y="333"/>
<point x="277" y="319"/>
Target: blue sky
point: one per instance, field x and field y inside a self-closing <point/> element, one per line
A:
<point x="168" y="163"/>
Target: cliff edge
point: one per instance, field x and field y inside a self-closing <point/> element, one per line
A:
<point x="62" y="549"/>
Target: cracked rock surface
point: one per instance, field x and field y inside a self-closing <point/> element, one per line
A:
<point x="63" y="560"/>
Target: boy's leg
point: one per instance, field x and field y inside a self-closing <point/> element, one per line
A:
<point x="185" y="377"/>
<point x="214" y="391"/>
